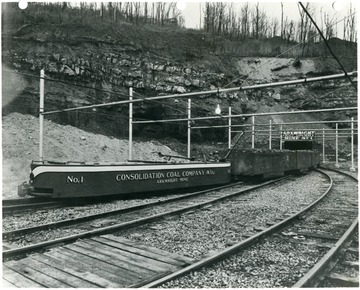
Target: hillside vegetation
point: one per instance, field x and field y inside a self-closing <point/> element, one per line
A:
<point x="95" y="58"/>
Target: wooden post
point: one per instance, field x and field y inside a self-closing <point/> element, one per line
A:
<point x="280" y="137"/>
<point x="189" y="130"/>
<point x="130" y="122"/>
<point x="41" y="116"/>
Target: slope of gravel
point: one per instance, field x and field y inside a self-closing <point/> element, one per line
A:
<point x="20" y="145"/>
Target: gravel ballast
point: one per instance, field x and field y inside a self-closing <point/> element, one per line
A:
<point x="204" y="231"/>
<point x="254" y="267"/>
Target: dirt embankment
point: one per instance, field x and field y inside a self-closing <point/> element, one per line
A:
<point x="20" y="145"/>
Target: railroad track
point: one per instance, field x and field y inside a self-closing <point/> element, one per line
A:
<point x="21" y="233"/>
<point x="112" y="247"/>
<point x="300" y="235"/>
<point x="14" y="206"/>
<point x="37" y="237"/>
<point x="21" y="205"/>
<point x="340" y="266"/>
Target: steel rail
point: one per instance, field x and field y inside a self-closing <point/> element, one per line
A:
<point x="238" y="246"/>
<point x="113" y="212"/>
<point x="14" y="208"/>
<point x="339" y="171"/>
<point x="7" y="254"/>
<point x="311" y="277"/>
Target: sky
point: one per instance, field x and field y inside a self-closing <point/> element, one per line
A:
<point x="192" y="10"/>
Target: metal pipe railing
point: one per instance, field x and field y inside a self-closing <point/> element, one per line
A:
<point x="194" y="94"/>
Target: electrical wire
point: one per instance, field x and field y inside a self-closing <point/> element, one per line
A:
<point x="327" y="44"/>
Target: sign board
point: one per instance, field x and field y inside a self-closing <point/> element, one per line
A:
<point x="298" y="135"/>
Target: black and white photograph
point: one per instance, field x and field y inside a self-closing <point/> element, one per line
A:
<point x="179" y="144"/>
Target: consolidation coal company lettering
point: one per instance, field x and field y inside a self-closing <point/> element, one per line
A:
<point x="163" y="175"/>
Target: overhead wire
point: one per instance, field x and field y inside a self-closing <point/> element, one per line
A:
<point x="280" y="54"/>
<point x="327" y="45"/>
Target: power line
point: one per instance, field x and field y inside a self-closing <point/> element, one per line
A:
<point x="327" y="44"/>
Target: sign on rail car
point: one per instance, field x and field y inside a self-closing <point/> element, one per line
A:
<point x="298" y="135"/>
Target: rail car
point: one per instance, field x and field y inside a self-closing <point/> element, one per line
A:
<point x="67" y="180"/>
<point x="75" y="179"/>
<point x="250" y="163"/>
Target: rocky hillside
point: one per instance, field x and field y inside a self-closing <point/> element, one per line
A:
<point x="97" y="64"/>
<point x="91" y="64"/>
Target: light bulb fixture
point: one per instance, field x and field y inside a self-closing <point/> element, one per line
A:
<point x="218" y="110"/>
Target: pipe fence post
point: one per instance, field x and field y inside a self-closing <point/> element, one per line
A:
<point x="229" y="136"/>
<point x="130" y="122"/>
<point x="323" y="149"/>
<point x="189" y="130"/>
<point x="253" y="132"/>
<point x="352" y="168"/>
<point x="337" y="145"/>
<point x="270" y="134"/>
<point x="41" y="116"/>
<point x="280" y="137"/>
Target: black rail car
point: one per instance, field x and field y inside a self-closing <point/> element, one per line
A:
<point x="274" y="162"/>
<point x="69" y="180"/>
<point x="72" y="180"/>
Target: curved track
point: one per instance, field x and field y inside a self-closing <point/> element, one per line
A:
<point x="325" y="273"/>
<point x="137" y="215"/>
<point x="314" y="211"/>
<point x="168" y="267"/>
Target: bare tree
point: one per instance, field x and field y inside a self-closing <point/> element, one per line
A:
<point x="282" y="21"/>
<point x="329" y="24"/>
<point x="350" y="31"/>
<point x="221" y="16"/>
<point x="245" y="20"/>
<point x="275" y="26"/>
<point x="304" y="27"/>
